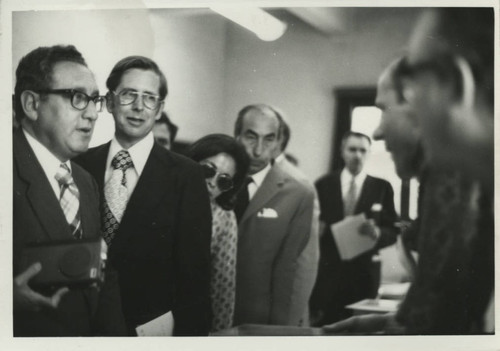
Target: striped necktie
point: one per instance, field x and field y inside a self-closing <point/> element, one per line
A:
<point x="69" y="199"/>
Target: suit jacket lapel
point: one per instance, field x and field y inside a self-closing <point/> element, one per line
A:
<point x="150" y="187"/>
<point x="338" y="201"/>
<point x="39" y="191"/>
<point x="365" y="194"/>
<point x="98" y="166"/>
<point x="85" y="199"/>
<point x="269" y="187"/>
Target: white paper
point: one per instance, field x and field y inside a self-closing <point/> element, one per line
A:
<point x="375" y="305"/>
<point x="350" y="242"/>
<point x="160" y="326"/>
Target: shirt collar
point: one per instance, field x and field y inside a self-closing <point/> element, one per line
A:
<point x="49" y="162"/>
<point x="346" y="177"/>
<point x="258" y="177"/>
<point x="139" y="152"/>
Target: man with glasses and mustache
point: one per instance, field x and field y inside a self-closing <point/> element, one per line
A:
<point x="56" y="102"/>
<point x="155" y="210"/>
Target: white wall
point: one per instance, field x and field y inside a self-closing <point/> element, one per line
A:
<point x="299" y="72"/>
<point x="215" y="67"/>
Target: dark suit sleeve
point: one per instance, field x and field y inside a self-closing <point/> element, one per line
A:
<point x="192" y="258"/>
<point x="389" y="217"/>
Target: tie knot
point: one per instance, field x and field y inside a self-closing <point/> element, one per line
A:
<point x="248" y="180"/>
<point x="63" y="175"/>
<point x="122" y="160"/>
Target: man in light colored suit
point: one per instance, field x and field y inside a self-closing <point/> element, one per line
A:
<point x="306" y="277"/>
<point x="274" y="229"/>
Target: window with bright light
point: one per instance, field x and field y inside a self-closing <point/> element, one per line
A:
<point x="365" y="119"/>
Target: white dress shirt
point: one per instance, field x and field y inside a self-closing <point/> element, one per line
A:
<point x="50" y="163"/>
<point x="257" y="180"/>
<point x="139" y="154"/>
<point x="345" y="182"/>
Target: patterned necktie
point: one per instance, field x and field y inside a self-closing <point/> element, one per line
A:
<point x="69" y="200"/>
<point x="116" y="195"/>
<point x="223" y="278"/>
<point x="350" y="199"/>
<point x="242" y="200"/>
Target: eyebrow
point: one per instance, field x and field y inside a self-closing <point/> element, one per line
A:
<point x="84" y="90"/>
<point x="142" y="92"/>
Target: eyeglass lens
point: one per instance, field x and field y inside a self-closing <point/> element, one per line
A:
<point x="223" y="181"/>
<point x="128" y="97"/>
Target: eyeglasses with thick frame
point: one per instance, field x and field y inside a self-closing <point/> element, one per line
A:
<point x="79" y="100"/>
<point x="127" y="97"/>
<point x="224" y="181"/>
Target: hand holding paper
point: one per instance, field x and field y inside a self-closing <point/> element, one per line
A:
<point x="350" y="242"/>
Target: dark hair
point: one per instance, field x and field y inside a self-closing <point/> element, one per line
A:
<point x="172" y="128"/>
<point x="350" y="133"/>
<point x="263" y="108"/>
<point x="138" y="62"/>
<point x="214" y="144"/>
<point x="34" y="71"/>
<point x="469" y="32"/>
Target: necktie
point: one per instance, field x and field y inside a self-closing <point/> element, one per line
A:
<point x="223" y="278"/>
<point x="350" y="199"/>
<point x="69" y="200"/>
<point x="242" y="200"/>
<point x="116" y="195"/>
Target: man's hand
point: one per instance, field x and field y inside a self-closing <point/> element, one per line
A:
<point x="26" y="299"/>
<point x="365" y="324"/>
<point x="369" y="228"/>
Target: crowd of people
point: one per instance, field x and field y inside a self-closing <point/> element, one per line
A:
<point x="233" y="232"/>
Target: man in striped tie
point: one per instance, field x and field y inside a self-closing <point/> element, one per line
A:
<point x="56" y="102"/>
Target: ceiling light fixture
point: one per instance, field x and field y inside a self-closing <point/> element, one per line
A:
<point x="256" y="20"/>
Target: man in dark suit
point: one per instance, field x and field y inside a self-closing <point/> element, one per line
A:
<point x="56" y="104"/>
<point x="275" y="215"/>
<point x="341" y="194"/>
<point x="156" y="211"/>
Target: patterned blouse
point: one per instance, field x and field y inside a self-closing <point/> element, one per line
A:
<point x="223" y="274"/>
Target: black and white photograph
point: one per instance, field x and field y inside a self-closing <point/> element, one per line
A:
<point x="249" y="175"/>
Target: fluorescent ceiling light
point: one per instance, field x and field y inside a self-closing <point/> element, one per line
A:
<point x="265" y="26"/>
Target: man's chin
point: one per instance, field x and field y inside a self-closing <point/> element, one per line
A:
<point x="256" y="168"/>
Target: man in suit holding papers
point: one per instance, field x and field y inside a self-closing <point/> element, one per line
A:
<point x="355" y="209"/>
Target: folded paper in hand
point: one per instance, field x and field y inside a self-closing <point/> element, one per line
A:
<point x="161" y="326"/>
<point x="350" y="242"/>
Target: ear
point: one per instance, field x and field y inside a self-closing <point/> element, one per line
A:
<point x="464" y="106"/>
<point x="160" y="108"/>
<point x="110" y="103"/>
<point x="30" y="102"/>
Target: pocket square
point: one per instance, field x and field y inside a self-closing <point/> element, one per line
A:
<point x="267" y="213"/>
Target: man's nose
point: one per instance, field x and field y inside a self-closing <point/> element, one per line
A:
<point x="378" y="134"/>
<point x="258" y="149"/>
<point x="90" y="111"/>
<point x="138" y="103"/>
